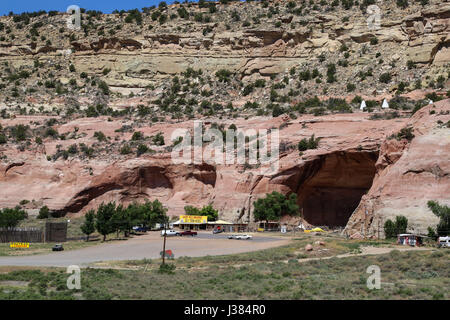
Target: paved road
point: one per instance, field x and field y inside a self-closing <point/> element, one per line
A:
<point x="146" y="246"/>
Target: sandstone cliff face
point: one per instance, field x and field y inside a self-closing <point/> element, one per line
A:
<point x="356" y="169"/>
<point x="139" y="58"/>
<point x="355" y="157"/>
<point x="408" y="175"/>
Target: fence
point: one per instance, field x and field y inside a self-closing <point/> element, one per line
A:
<point x="21" y="235"/>
<point x="55" y="231"/>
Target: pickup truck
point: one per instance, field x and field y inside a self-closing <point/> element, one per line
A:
<point x="170" y="232"/>
<point x="140" y="229"/>
<point x="188" y="233"/>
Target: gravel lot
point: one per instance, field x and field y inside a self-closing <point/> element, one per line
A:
<point x="148" y="246"/>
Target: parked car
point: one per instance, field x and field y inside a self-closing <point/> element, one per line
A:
<point x="140" y="229"/>
<point x="58" y="247"/>
<point x="188" y="233"/>
<point x="218" y="231"/>
<point x="244" y="237"/>
<point x="240" y="236"/>
<point x="444" y="242"/>
<point x="170" y="232"/>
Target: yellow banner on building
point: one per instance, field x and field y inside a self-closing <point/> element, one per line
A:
<point x="193" y="219"/>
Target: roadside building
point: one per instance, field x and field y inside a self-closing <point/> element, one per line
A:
<point x="409" y="239"/>
<point x="202" y="223"/>
<point x="187" y="222"/>
<point x="269" y="226"/>
<point x="220" y="225"/>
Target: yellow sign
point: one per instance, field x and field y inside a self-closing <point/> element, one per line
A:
<point x="19" y="245"/>
<point x="193" y="219"/>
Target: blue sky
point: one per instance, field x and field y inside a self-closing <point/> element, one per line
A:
<point x="19" y="6"/>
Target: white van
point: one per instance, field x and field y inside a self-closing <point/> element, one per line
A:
<point x="444" y="242"/>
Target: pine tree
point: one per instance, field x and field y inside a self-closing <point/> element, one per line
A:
<point x="88" y="226"/>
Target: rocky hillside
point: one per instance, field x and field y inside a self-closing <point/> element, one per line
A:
<point x="86" y="115"/>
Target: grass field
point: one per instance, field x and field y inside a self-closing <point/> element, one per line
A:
<point x="41" y="248"/>
<point x="268" y="274"/>
<point x="73" y="230"/>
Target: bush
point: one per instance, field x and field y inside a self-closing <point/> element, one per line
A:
<point x="104" y="87"/>
<point x="402" y="4"/>
<point x="392" y="229"/>
<point x="247" y="90"/>
<point x="100" y="136"/>
<point x="311" y="143"/>
<point x="142" y="148"/>
<point x="404" y="133"/>
<point x="3" y="138"/>
<point x="158" y="139"/>
<point x="167" y="268"/>
<point x="44" y="213"/>
<point x="350" y="87"/>
<point x="331" y="71"/>
<point x="10" y="218"/>
<point x="274" y="206"/>
<point x="126" y="149"/>
<point x="385" y="77"/>
<point x="19" y="132"/>
<point x="137" y="135"/>
<point x="389" y="229"/>
<point x="50" y="132"/>
<point x="277" y="111"/>
<point x="443" y="212"/>
<point x="223" y="75"/>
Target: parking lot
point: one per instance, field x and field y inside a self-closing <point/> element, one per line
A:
<point x="149" y="246"/>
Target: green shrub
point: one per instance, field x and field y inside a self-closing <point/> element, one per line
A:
<point x="10" y="218"/>
<point x="350" y="87"/>
<point x="19" y="132"/>
<point x="311" y="143"/>
<point x="142" y="148"/>
<point x="443" y="212"/>
<point x="137" y="135"/>
<point x="3" y="138"/>
<point x="100" y="136"/>
<point x="126" y="149"/>
<point x="167" y="268"/>
<point x="223" y="75"/>
<point x="158" y="139"/>
<point x="44" y="213"/>
<point x="404" y="133"/>
<point x="385" y="77"/>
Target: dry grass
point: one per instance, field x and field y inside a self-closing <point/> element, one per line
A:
<point x="267" y="274"/>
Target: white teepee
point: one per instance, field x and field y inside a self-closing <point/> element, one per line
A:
<point x="363" y="105"/>
<point x="385" y="104"/>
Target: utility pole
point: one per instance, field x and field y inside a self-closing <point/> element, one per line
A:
<point x="164" y="244"/>
<point x="249" y="212"/>
<point x="378" y="228"/>
<point x="365" y="223"/>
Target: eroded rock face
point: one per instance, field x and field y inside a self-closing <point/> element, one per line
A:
<point x="265" y="50"/>
<point x="408" y="175"/>
<point x="355" y="159"/>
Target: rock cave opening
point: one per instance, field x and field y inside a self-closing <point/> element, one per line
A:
<point x="330" y="187"/>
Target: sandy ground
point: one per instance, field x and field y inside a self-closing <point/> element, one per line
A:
<point x="148" y="246"/>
